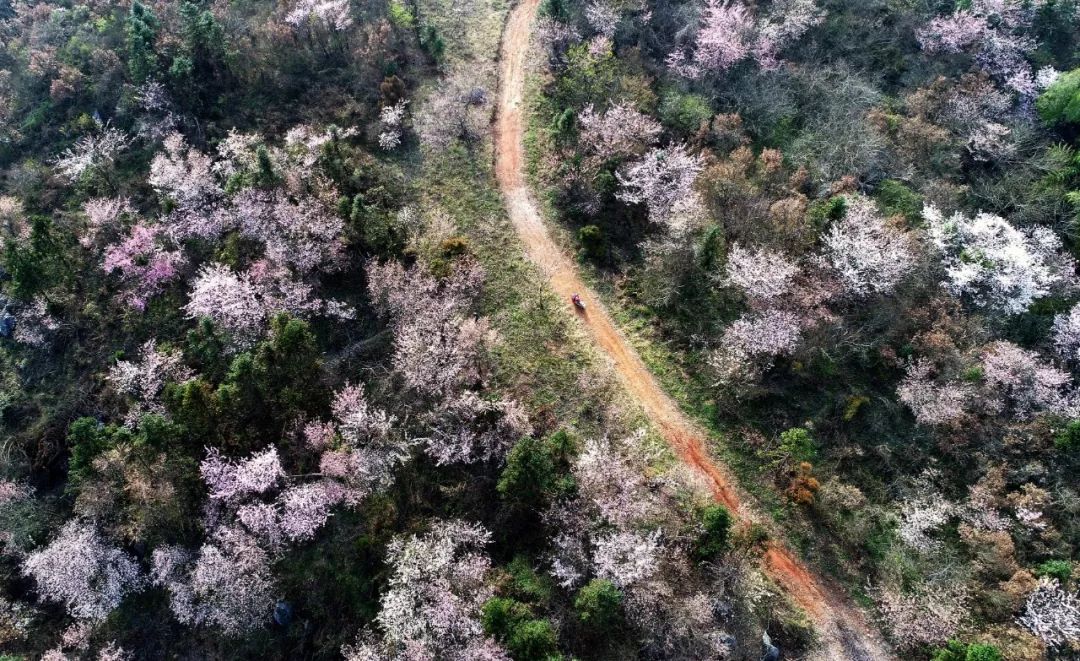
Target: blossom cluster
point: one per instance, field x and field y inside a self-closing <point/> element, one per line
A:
<point x="82" y="571"/>
<point x="995" y="32"/>
<point x="761" y="274"/>
<point x="662" y="179"/>
<point x="144" y="380"/>
<point x="620" y="131"/>
<point x="432" y="606"/>
<point x="870" y="255"/>
<point x="996" y="265"/>
<point x="1052" y="614"/>
<point x="730" y="33"/>
<point x="227" y="584"/>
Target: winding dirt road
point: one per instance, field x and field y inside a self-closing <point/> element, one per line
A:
<point x="843" y="630"/>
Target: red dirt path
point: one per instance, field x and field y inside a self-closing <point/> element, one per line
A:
<point x="844" y="631"/>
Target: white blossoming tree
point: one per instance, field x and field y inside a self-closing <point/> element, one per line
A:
<point x="995" y="265"/>
<point x="870" y="255"/>
<point x="82" y="571"/>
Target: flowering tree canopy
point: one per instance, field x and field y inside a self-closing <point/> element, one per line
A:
<point x="82" y="571"/>
<point x="436" y="590"/>
<point x="1022" y="383"/>
<point x="227" y="585"/>
<point x="143" y="264"/>
<point x="303" y="234"/>
<point x="730" y="33"/>
<point x="1052" y="614"/>
<point x="618" y="132"/>
<point x="996" y="265"/>
<point x="662" y="179"/>
<point x="243" y="303"/>
<point x="870" y="255"/>
<point x="230" y="479"/>
<point x="145" y="380"/>
<point x="993" y="31"/>
<point x="331" y="14"/>
<point x="931" y="402"/>
<point x="436" y="348"/>
<point x="761" y="274"/>
<point x="91" y="151"/>
<point x="770" y="333"/>
<point x="1067" y="334"/>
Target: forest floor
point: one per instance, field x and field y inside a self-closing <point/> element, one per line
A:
<point x="843" y="629"/>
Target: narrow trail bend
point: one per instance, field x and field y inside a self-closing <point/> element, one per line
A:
<point x="843" y="630"/>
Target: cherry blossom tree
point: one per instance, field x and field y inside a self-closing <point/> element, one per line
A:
<point x="13" y="492"/>
<point x="144" y="265"/>
<point x="663" y="180"/>
<point x="870" y="255"/>
<point x="436" y="346"/>
<point x="144" y="380"/>
<point x="785" y="24"/>
<point x="391" y="118"/>
<point x="470" y="427"/>
<point x="82" y="571"/>
<point x="227" y="585"/>
<point x="158" y="118"/>
<point x="768" y="333"/>
<point x="726" y="36"/>
<point x="229" y="300"/>
<point x="601" y="531"/>
<point x="303" y="147"/>
<point x="613" y="487"/>
<point x="102" y="215"/>
<point x="243" y="303"/>
<point x="238" y="152"/>
<point x="730" y="33"/>
<point x="1066" y="333"/>
<point x="996" y="265"/>
<point x="113" y="652"/>
<point x="620" y="131"/>
<point x="439" y="352"/>
<point x="357" y="420"/>
<point x="626" y="558"/>
<point x="305" y="508"/>
<point x="369" y="451"/>
<point x="989" y="142"/>
<point x="436" y="590"/>
<point x="922" y="515"/>
<point x="329" y="14"/>
<point x="953" y="33"/>
<point x="229" y="480"/>
<point x="13" y="224"/>
<point x="555" y="36"/>
<point x="460" y="108"/>
<point x="748" y="347"/>
<point x="91" y="152"/>
<point x="1052" y="614"/>
<point x="34" y="325"/>
<point x="1021" y="383"/>
<point x="303" y="234"/>
<point x="929" y="615"/>
<point x="264" y="521"/>
<point x="994" y="32"/>
<point x="602" y="18"/>
<point x="933" y="403"/>
<point x="75" y="638"/>
<point x="185" y="176"/>
<point x="761" y="274"/>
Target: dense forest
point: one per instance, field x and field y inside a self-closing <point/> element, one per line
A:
<point x="289" y="367"/>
